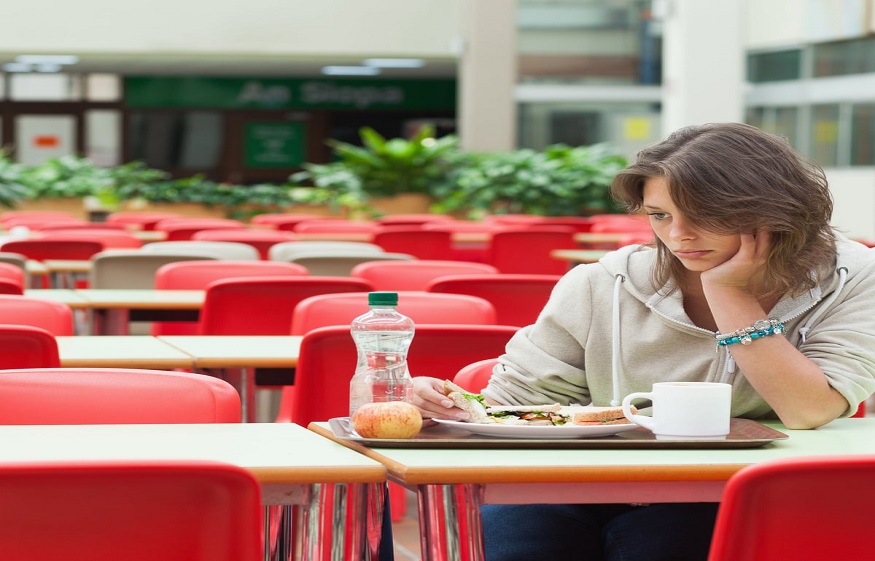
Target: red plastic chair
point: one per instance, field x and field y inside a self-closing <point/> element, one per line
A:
<point x="518" y="298"/>
<point x="7" y="215"/>
<point x="12" y="279"/>
<point x="610" y="223"/>
<point x="804" y="509"/>
<point x="335" y="226"/>
<point x="413" y="219"/>
<point x="24" y="346"/>
<point x="84" y="396"/>
<point x="415" y="274"/>
<point x="49" y="227"/>
<point x="139" y="220"/>
<point x="267" y="303"/>
<point x="327" y="360"/>
<point x="110" y="238"/>
<point x="527" y="249"/>
<point x="50" y="315"/>
<point x="262" y="240"/>
<point x="176" y="232"/>
<point x="413" y="240"/>
<point x="280" y="220"/>
<point x="423" y="307"/>
<point x="196" y="275"/>
<point x="35" y="221"/>
<point x="140" y="511"/>
<point x="475" y="377"/>
<point x="42" y="249"/>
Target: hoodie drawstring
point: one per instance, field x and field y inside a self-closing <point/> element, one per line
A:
<point x="615" y="341"/>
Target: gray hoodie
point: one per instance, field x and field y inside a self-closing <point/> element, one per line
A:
<point x="606" y="332"/>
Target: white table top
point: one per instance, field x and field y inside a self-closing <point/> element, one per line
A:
<point x="276" y="453"/>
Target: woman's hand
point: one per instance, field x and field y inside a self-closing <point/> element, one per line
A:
<point x="429" y="398"/>
<point x="746" y="268"/>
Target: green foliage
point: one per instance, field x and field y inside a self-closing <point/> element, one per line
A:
<point x="12" y="189"/>
<point x="561" y="180"/>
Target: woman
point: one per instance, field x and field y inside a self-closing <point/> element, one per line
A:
<point x="742" y="238"/>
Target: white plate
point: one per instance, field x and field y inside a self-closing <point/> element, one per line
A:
<point x="540" y="432"/>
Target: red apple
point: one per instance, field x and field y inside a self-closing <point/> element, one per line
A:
<point x="391" y="419"/>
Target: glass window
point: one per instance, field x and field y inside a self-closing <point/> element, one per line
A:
<point x="102" y="132"/>
<point x="783" y="121"/>
<point x="184" y="141"/>
<point x="863" y="134"/>
<point x="825" y="134"/>
<point x="775" y="66"/>
<point x="844" y="57"/>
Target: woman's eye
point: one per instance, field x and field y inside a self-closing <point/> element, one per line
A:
<point x="657" y="215"/>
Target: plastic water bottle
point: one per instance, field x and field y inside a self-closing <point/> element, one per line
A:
<point x="382" y="337"/>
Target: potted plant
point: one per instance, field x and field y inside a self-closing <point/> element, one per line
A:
<point x="558" y="181"/>
<point x="12" y="189"/>
<point x="363" y="177"/>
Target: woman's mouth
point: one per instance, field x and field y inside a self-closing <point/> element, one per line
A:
<point x="691" y="253"/>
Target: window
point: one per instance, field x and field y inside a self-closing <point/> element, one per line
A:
<point x="844" y="57"/>
<point x="863" y="134"/>
<point x="825" y="134"/>
<point x="182" y="141"/>
<point x="775" y="67"/>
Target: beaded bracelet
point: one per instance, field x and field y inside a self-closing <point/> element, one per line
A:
<point x="746" y="335"/>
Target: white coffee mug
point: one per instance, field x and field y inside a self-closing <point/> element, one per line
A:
<point x="685" y="410"/>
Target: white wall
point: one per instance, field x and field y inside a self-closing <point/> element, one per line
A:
<point x="265" y="27"/>
<point x="853" y="191"/>
<point x="782" y="23"/>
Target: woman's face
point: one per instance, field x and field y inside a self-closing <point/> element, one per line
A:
<point x="697" y="249"/>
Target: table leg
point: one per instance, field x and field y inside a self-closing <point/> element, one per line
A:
<point x="109" y="321"/>
<point x="439" y="523"/>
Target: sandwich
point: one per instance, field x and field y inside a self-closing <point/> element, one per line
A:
<point x="596" y="416"/>
<point x="553" y="414"/>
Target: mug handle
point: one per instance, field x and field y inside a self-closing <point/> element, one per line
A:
<point x="642" y="420"/>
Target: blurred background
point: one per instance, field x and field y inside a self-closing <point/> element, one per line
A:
<point x="248" y="92"/>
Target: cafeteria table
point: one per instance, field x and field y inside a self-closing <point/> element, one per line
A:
<point x="517" y="474"/>
<point x="112" y="309"/>
<point x="296" y="468"/>
<point x="243" y="353"/>
<point x="121" y="351"/>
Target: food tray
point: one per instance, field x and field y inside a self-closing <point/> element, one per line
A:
<point x="743" y="433"/>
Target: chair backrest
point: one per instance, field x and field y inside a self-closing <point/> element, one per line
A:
<point x="412" y="219"/>
<point x="328" y="357"/>
<point x="34" y="222"/>
<point x="7" y="215"/>
<point x="423" y="307"/>
<point x="332" y="226"/>
<point x="804" y="509"/>
<point x="518" y="298"/>
<point x="197" y="275"/>
<point x="170" y="510"/>
<point x="264" y="305"/>
<point x="280" y="220"/>
<point x="611" y="223"/>
<point x="107" y="237"/>
<point x="25" y="346"/>
<point x="14" y="274"/>
<point x="131" y="268"/>
<point x="204" y="248"/>
<point x="19" y="261"/>
<point x="415" y="274"/>
<point x="86" y="396"/>
<point x="527" y="249"/>
<point x="475" y="376"/>
<point x="73" y="226"/>
<point x="341" y="264"/>
<point x="285" y="251"/>
<point x="262" y="240"/>
<point x="55" y="317"/>
<point x="40" y="250"/>
<point x="139" y="220"/>
<point x="413" y="240"/>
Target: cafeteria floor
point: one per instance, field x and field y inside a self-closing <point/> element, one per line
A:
<point x="406" y="532"/>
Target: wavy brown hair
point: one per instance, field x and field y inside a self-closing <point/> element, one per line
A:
<point x="731" y="178"/>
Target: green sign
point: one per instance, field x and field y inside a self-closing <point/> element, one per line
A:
<point x="273" y="145"/>
<point x="291" y="93"/>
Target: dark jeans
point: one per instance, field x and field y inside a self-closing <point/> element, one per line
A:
<point x="607" y="532"/>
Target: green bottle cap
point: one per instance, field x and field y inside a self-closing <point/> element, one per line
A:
<point x="382" y="299"/>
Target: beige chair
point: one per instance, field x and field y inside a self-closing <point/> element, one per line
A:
<point x="284" y="251"/>
<point x="212" y="249"/>
<point x="341" y="264"/>
<point x="132" y="269"/>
